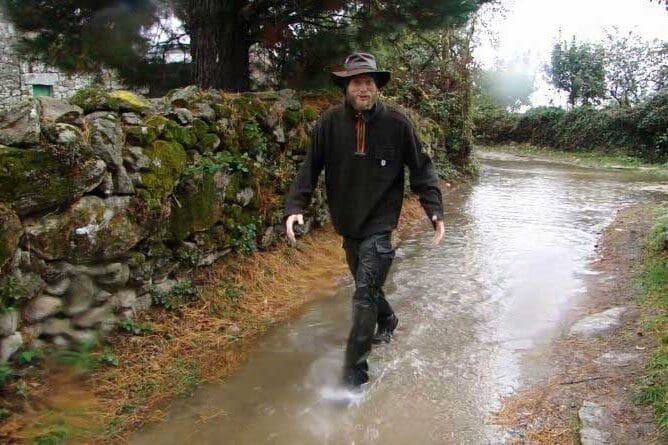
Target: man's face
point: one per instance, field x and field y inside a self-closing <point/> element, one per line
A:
<point x="362" y="92"/>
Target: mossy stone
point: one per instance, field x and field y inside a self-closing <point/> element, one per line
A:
<point x="201" y="206"/>
<point x="10" y="234"/>
<point x="171" y="131"/>
<point x="129" y="101"/>
<point x="38" y="180"/>
<point x="136" y="259"/>
<point x="94" y="99"/>
<point x="158" y="122"/>
<point x="168" y="161"/>
<point x="201" y="128"/>
<point x="183" y="135"/>
<point x="208" y="143"/>
<point x="93" y="229"/>
<point x="140" y="135"/>
<point x="236" y="183"/>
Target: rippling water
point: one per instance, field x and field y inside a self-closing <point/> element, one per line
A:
<point x="517" y="246"/>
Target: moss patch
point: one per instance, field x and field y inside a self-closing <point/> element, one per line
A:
<point x="200" y="127"/>
<point x="10" y="233"/>
<point x="94" y="99"/>
<point x="200" y="207"/>
<point x="129" y="101"/>
<point x="209" y="142"/>
<point x="168" y="161"/>
<point x="248" y="107"/>
<point x="158" y="122"/>
<point x="36" y="180"/>
<point x="141" y="135"/>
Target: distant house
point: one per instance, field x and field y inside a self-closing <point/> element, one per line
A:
<point x="21" y="79"/>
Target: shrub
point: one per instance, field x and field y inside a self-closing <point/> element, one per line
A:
<point x="639" y="131"/>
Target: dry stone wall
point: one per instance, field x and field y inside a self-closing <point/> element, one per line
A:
<point x="109" y="200"/>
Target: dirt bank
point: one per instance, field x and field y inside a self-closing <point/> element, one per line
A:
<point x="580" y="370"/>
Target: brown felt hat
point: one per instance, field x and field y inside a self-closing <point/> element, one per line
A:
<point x="360" y="63"/>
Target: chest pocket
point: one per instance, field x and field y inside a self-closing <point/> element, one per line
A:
<point x="386" y="161"/>
<point x="385" y="155"/>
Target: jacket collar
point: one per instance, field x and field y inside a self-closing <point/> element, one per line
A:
<point x="368" y="116"/>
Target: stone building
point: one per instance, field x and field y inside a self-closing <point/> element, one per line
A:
<point x="21" y="79"/>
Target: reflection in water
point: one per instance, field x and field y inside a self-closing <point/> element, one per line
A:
<point x="517" y="244"/>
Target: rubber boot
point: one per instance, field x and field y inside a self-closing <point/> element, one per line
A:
<point x="385" y="330"/>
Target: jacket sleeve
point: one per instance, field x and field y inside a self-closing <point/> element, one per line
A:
<point x="423" y="179"/>
<point x="299" y="196"/>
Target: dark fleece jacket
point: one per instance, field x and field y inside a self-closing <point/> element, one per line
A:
<point x="363" y="155"/>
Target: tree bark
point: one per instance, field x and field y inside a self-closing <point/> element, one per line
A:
<point x="220" y="42"/>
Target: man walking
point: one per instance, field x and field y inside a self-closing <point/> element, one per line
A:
<point x="363" y="146"/>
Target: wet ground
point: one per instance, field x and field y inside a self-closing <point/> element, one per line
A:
<point x="517" y="249"/>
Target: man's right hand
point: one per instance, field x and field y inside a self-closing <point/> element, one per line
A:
<point x="289" y="229"/>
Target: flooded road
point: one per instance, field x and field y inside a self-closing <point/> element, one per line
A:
<point x="517" y="248"/>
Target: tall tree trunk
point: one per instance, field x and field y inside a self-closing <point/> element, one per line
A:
<point x="219" y="42"/>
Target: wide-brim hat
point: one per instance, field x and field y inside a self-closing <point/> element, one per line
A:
<point x="360" y="63"/>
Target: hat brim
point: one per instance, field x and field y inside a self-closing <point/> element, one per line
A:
<point x="382" y="77"/>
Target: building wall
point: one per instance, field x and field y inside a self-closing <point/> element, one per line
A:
<point x="17" y="77"/>
<point x="10" y="69"/>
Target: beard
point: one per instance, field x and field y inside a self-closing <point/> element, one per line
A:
<point x="361" y="105"/>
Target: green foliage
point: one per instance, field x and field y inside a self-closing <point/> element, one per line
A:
<point x="5" y="373"/>
<point x="233" y="292"/>
<point x="253" y="140"/>
<point x="223" y="160"/>
<point x="4" y="414"/>
<point x="635" y="68"/>
<point x="302" y="60"/>
<point x="245" y="237"/>
<point x="11" y="291"/>
<point x="640" y="131"/>
<point x="182" y="292"/>
<point x="433" y="75"/>
<point x="654" y="283"/>
<point x="299" y="37"/>
<point x="108" y="358"/>
<point x="30" y="356"/>
<point x="187" y="256"/>
<point x="657" y="240"/>
<point x="56" y="435"/>
<point x="81" y="357"/>
<point x="186" y="375"/>
<point x="134" y="327"/>
<point x="578" y="69"/>
<point x="654" y="390"/>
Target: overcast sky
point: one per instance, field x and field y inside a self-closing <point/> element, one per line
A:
<point x="530" y="28"/>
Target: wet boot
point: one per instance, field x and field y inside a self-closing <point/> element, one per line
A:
<point x="385" y="330"/>
<point x="356" y="376"/>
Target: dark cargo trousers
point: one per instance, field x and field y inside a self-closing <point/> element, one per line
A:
<point x="369" y="260"/>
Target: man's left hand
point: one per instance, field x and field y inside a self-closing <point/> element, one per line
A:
<point x="439" y="231"/>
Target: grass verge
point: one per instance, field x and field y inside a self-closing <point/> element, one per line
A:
<point x="654" y="284"/>
<point x="583" y="158"/>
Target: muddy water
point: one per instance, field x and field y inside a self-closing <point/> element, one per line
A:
<point x="472" y="311"/>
